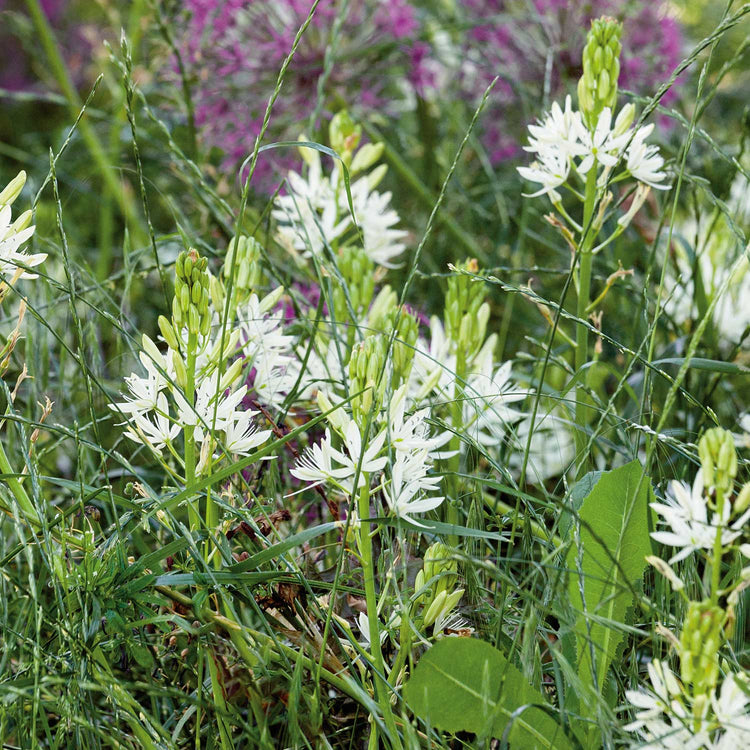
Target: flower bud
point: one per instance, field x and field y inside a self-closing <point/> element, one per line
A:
<point x="742" y="501"/>
<point x="13" y="189"/>
<point x="435" y="608"/>
<point x="344" y="135"/>
<point x="366" y="157"/>
<point x="179" y="371"/>
<point x="21" y="222"/>
<point x="168" y="332"/>
<point x="718" y="459"/>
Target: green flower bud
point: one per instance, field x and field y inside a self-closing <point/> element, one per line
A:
<point x="13" y="189"/>
<point x="435" y="608"/>
<point x="179" y="371"/>
<point x="23" y="221"/>
<point x="188" y="266"/>
<point x="233" y="372"/>
<point x="718" y="459"/>
<point x="177" y="315"/>
<point x="168" y="332"/>
<point x="366" y="366"/>
<point x="179" y="266"/>
<point x="185" y="299"/>
<point x="742" y="500"/>
<point x="193" y="320"/>
<point x="344" y="135"/>
<point x="366" y="157"/>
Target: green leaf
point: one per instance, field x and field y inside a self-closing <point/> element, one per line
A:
<point x="464" y="684"/>
<point x="607" y="565"/>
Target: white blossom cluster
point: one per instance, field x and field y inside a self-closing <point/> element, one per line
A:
<point x="664" y="719"/>
<point x="316" y="212"/>
<point x="703" y="254"/>
<point x="563" y="145"/>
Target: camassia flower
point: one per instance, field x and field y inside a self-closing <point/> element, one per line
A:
<point x="13" y="261"/>
<point x="318" y="464"/>
<point x="686" y="514"/>
<point x="563" y="146"/>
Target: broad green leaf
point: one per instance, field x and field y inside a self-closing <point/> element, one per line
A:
<point x="465" y="684"/>
<point x="606" y="566"/>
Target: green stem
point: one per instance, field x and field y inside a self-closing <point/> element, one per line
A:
<point x="382" y="688"/>
<point x="582" y="332"/>
<point x="718" y="548"/>
<point x="16" y="487"/>
<point x="195" y="520"/>
<point x="454" y="462"/>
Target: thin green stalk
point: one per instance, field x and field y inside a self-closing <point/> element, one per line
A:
<point x="382" y="688"/>
<point x="718" y="548"/>
<point x="16" y="487"/>
<point x="454" y="462"/>
<point x="582" y="331"/>
<point x="190" y="430"/>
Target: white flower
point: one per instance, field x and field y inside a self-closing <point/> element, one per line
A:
<point x="742" y="440"/>
<point x="376" y="220"/>
<point x="242" y="435"/>
<point x="309" y="216"/>
<point x="316" y="464"/>
<point x="550" y="169"/>
<point x="409" y="480"/>
<point x="552" y="450"/>
<point x="261" y="333"/>
<point x="434" y="364"/>
<point x="154" y="434"/>
<point x="408" y="434"/>
<point x="661" y="718"/>
<point x="604" y="145"/>
<point x="486" y="410"/>
<point x="710" y="256"/>
<point x="644" y="162"/>
<point x="686" y="513"/>
<point x="145" y="391"/>
<point x="366" y="462"/>
<point x="10" y="241"/>
<point x="731" y="710"/>
<point x="363" y="623"/>
<point x="559" y="129"/>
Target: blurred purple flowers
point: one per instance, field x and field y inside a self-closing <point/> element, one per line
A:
<point x="535" y="49"/>
<point x="385" y="53"/>
<point x="235" y="48"/>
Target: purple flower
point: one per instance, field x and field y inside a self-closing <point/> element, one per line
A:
<point x="539" y="52"/>
<point x="233" y="50"/>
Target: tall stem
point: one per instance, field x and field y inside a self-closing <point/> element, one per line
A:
<point x="717" y="551"/>
<point x="454" y="462"/>
<point x="382" y="689"/>
<point x="24" y="501"/>
<point x="195" y="520"/>
<point x="582" y="332"/>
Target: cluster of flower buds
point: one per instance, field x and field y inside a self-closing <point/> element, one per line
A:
<point x="597" y="87"/>
<point x="243" y="262"/>
<point x="402" y="355"/>
<point x="190" y="306"/>
<point x="366" y="376"/>
<point x="701" y="637"/>
<point x="466" y="312"/>
<point x="438" y="578"/>
<point x="344" y="135"/>
<point x="358" y="275"/>
<point x="718" y="459"/>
